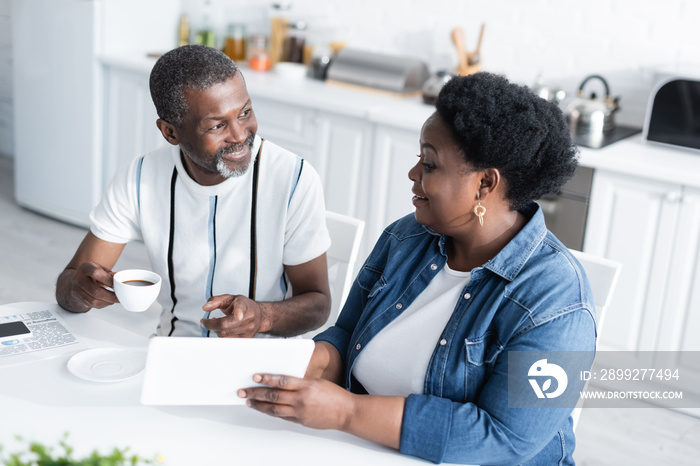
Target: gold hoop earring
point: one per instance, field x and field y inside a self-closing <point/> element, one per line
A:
<point x="480" y="211"/>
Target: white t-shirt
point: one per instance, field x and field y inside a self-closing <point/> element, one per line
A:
<point x="395" y="361"/>
<point x="198" y="237"/>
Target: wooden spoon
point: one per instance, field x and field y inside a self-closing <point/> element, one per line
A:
<point x="458" y="40"/>
<point x="473" y="58"/>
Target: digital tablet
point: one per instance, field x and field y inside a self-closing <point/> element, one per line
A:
<point x="210" y="371"/>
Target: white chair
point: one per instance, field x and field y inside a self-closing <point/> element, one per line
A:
<point x="602" y="275"/>
<point x="346" y="235"/>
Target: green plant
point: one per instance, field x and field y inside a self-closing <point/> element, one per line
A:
<point x="39" y="454"/>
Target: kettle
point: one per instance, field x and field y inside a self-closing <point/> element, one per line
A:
<point x="548" y="92"/>
<point x="591" y="116"/>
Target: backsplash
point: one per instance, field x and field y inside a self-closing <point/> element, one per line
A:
<point x="563" y="41"/>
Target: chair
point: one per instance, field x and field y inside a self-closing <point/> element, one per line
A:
<point x="346" y="235"/>
<point x="602" y="275"/>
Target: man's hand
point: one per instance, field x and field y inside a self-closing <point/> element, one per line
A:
<point x="89" y="286"/>
<point x="244" y="317"/>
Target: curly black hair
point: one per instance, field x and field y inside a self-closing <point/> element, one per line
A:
<point x="499" y="124"/>
<point x="190" y="66"/>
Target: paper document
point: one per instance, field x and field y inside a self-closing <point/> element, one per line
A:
<point x="34" y="330"/>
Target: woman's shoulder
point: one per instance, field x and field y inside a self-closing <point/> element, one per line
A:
<point x="552" y="283"/>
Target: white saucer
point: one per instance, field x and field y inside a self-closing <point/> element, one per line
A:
<point x="107" y="364"/>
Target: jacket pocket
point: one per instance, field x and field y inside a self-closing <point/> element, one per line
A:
<point x="481" y="355"/>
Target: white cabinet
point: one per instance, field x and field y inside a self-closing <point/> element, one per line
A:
<point x="130" y="119"/>
<point x="342" y="154"/>
<point x="289" y="126"/>
<point x="337" y="146"/>
<point x="633" y="221"/>
<point x="394" y="155"/>
<point x="653" y="229"/>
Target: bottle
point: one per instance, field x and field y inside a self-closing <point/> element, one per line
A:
<point x="205" y="32"/>
<point x="183" y="31"/>
<point x="234" y="46"/>
<point x="258" y="57"/>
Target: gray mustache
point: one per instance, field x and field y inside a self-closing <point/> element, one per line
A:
<point x="237" y="147"/>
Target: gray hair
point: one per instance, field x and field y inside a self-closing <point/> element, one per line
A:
<point x="190" y="66"/>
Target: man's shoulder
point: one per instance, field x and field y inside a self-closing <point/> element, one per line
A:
<point x="277" y="152"/>
<point x="162" y="154"/>
<point x="283" y="162"/>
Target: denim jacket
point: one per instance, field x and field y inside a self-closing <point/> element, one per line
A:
<point x="532" y="296"/>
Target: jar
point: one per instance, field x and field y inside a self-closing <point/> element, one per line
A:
<point x="279" y="23"/>
<point x="234" y="46"/>
<point x="258" y="56"/>
<point x="294" y="43"/>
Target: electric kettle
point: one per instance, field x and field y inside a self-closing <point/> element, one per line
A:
<point x="592" y="116"/>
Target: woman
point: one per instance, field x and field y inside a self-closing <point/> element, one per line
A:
<point x="448" y="292"/>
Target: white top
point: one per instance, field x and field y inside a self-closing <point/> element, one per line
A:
<point x="209" y="252"/>
<point x="395" y="361"/>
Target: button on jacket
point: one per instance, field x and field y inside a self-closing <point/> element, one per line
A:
<point x="532" y="296"/>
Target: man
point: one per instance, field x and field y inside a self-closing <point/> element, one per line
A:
<point x="229" y="221"/>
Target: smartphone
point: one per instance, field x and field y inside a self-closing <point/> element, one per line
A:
<point x="12" y="330"/>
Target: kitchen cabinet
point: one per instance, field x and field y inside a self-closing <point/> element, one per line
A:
<point x="342" y="156"/>
<point x="289" y="126"/>
<point x="130" y="119"/>
<point x="653" y="228"/>
<point x="337" y="146"/>
<point x="395" y="151"/>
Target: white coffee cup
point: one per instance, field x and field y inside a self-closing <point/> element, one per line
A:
<point x="136" y="289"/>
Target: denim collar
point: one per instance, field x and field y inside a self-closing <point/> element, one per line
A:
<point x="511" y="259"/>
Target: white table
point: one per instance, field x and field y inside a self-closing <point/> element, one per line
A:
<point x="41" y="400"/>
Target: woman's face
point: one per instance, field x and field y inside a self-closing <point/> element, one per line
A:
<point x="444" y="185"/>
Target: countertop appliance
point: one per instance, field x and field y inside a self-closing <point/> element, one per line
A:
<point x="401" y="75"/>
<point x="673" y="113"/>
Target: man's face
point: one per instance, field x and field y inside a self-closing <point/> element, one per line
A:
<point x="217" y="133"/>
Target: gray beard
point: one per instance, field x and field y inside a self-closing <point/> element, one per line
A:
<point x="221" y="166"/>
<point x="226" y="172"/>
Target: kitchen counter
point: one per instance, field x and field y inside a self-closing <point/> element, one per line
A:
<point x="633" y="155"/>
<point x="373" y="105"/>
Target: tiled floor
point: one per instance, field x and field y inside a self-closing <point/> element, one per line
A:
<point x="34" y="249"/>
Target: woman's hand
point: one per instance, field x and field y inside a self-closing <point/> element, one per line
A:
<point x="315" y="403"/>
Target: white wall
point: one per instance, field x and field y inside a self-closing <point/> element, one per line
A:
<point x="564" y="40"/>
<point x="523" y="37"/>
